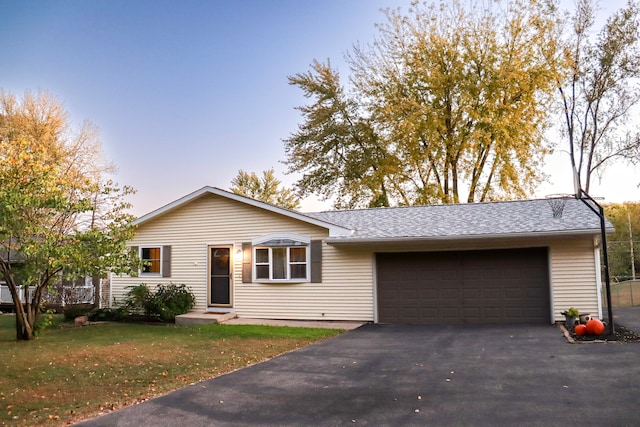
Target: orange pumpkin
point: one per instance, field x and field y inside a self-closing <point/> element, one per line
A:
<point x="595" y="327"/>
<point x="580" y="330"/>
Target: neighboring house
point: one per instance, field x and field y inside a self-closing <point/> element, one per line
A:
<point x="57" y="296"/>
<point x="500" y="262"/>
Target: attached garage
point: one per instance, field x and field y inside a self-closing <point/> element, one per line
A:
<point x="482" y="286"/>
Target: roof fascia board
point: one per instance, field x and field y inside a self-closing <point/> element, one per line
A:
<point x="334" y="230"/>
<point x="355" y="241"/>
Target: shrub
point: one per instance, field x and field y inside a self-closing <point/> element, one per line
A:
<point x="166" y="302"/>
<point x="172" y="300"/>
<point x="137" y="300"/>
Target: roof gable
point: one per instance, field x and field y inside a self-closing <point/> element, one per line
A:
<point x="334" y="229"/>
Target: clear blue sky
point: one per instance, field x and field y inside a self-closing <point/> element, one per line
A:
<point x="186" y="93"/>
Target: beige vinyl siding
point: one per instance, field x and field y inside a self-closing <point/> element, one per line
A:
<point x="574" y="278"/>
<point x="346" y="292"/>
<point x="215" y="220"/>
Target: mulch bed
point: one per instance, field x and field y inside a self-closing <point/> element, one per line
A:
<point x="621" y="334"/>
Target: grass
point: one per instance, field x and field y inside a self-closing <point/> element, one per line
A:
<point x="71" y="373"/>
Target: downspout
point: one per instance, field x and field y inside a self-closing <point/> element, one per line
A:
<point x="596" y="254"/>
<point x="603" y="238"/>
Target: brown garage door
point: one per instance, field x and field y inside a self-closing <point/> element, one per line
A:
<point x="497" y="286"/>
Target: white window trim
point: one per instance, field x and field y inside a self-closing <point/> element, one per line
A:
<point x="257" y="243"/>
<point x="141" y="272"/>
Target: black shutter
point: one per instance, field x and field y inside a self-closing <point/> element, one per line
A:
<point x="166" y="261"/>
<point x="246" y="263"/>
<point x="316" y="261"/>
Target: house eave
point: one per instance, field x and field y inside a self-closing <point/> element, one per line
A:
<point x="339" y="241"/>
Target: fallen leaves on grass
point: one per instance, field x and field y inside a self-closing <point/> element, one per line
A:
<point x="79" y="373"/>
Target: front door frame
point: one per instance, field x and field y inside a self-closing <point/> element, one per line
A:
<point x="231" y="264"/>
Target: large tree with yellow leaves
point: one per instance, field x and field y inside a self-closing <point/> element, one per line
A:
<point x="447" y="105"/>
<point x="59" y="215"/>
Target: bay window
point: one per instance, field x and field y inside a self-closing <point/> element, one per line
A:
<point x="281" y="259"/>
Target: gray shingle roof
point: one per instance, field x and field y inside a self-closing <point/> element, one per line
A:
<point x="526" y="218"/>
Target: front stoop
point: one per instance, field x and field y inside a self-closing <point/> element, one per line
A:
<point x="200" y="318"/>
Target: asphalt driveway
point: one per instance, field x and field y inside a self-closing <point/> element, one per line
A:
<point x="383" y="375"/>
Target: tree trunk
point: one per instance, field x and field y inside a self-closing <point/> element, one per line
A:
<point x="24" y="331"/>
<point x="26" y="313"/>
<point x="97" y="291"/>
<point x="24" y="328"/>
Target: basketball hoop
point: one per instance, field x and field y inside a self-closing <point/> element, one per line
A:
<point x="557" y="202"/>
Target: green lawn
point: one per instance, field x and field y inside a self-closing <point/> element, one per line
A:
<point x="70" y="373"/>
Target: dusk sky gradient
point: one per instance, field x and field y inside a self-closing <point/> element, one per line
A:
<point x="186" y="93"/>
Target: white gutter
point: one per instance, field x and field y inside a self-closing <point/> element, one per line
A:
<point x="336" y="241"/>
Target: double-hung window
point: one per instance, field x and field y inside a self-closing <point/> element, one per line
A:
<point x="156" y="260"/>
<point x="151" y="260"/>
<point x="281" y="258"/>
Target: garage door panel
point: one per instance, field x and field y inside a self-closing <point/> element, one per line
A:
<point x="388" y="294"/>
<point x="410" y="314"/>
<point x="388" y="313"/>
<point x="472" y="293"/>
<point x="532" y="293"/>
<point x="408" y="294"/>
<point x="409" y="276"/>
<point x="451" y="275"/>
<point x="471" y="313"/>
<point x="429" y="315"/>
<point x="491" y="293"/>
<point x="493" y="313"/>
<point x="510" y="274"/>
<point x="385" y="276"/>
<point x="490" y="274"/>
<point x="513" y="293"/>
<point x="428" y="294"/>
<point x="494" y="286"/>
<point x="452" y="314"/>
<point x="449" y="294"/>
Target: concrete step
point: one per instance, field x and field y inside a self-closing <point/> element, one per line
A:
<point x="200" y="318"/>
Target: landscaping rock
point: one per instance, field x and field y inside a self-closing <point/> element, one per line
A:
<point x="81" y="321"/>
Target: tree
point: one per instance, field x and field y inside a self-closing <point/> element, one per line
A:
<point x="337" y="148"/>
<point x="600" y="89"/>
<point x="59" y="216"/>
<point x="266" y="189"/>
<point x="448" y="101"/>
<point x="624" y="244"/>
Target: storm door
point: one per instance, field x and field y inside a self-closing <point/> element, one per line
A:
<point x="220" y="279"/>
